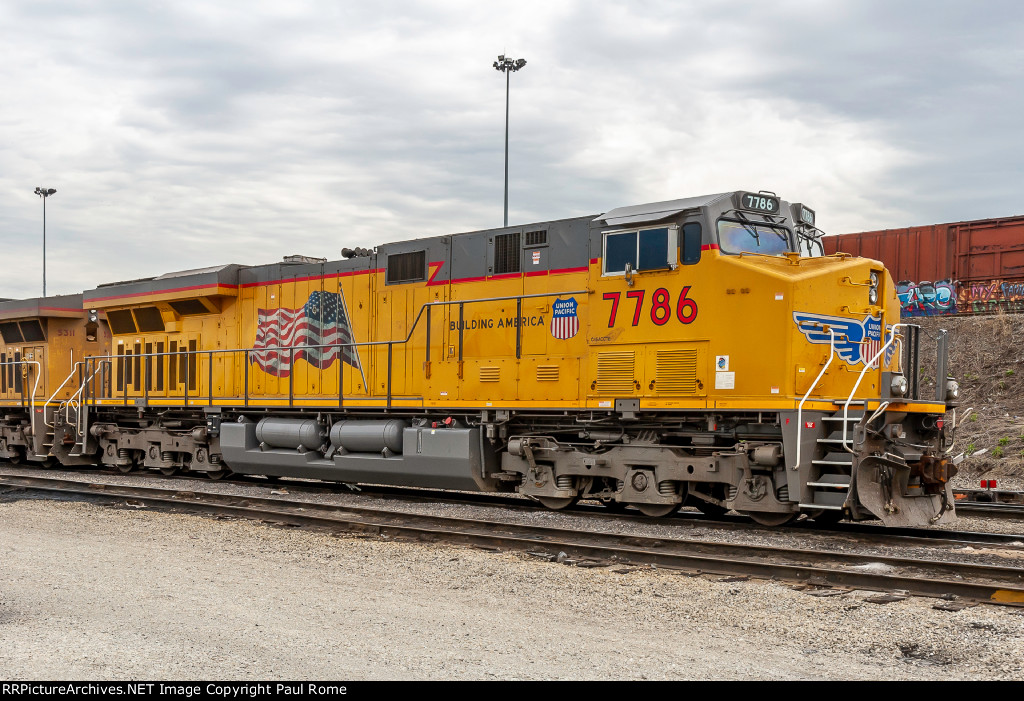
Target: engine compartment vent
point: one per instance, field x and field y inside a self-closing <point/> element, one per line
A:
<point x="616" y="372"/>
<point x="547" y="373"/>
<point x="676" y="371"/>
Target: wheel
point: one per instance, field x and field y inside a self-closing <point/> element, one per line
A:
<point x="657" y="510"/>
<point x="15" y="457"/>
<point x="558" y="503"/>
<point x="125" y="469"/>
<point x="168" y="471"/>
<point x="218" y="474"/>
<point x="49" y="463"/>
<point x="771" y="518"/>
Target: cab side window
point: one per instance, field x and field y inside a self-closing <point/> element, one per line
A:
<point x="691" y="243"/>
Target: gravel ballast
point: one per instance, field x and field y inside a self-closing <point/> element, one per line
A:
<point x="91" y="592"/>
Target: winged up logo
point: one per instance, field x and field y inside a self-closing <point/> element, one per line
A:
<point x="857" y="342"/>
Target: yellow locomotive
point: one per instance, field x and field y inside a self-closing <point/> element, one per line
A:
<point x="695" y="351"/>
<point x="43" y="344"/>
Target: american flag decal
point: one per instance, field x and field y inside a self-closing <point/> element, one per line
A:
<point x="564" y="321"/>
<point x="320" y="322"/>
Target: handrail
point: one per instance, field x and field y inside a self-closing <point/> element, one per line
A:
<point x="800" y="407"/>
<point x="425" y="306"/>
<point x="77" y="405"/>
<point x="856" y="386"/>
<point x="35" y="386"/>
<point x="32" y="397"/>
<point x="74" y="369"/>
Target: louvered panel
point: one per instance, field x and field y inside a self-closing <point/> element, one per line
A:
<point x="489" y="373"/>
<point x="676" y="371"/>
<point x="547" y="373"/>
<point x="615" y="372"/>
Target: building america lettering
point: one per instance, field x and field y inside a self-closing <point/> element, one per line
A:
<point x="510" y="322"/>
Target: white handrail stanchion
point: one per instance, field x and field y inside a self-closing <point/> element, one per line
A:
<point x="73" y="370"/>
<point x="800" y="407"/>
<point x="867" y="366"/>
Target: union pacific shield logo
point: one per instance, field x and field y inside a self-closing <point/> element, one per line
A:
<point x="872" y="341"/>
<point x="564" y="321"/>
<point x="856" y="341"/>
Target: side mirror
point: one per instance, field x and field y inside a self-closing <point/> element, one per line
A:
<point x="629" y="275"/>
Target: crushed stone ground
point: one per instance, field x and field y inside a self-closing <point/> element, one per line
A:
<point x="90" y="592"/>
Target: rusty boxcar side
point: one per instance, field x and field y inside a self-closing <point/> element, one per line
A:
<point x="969" y="266"/>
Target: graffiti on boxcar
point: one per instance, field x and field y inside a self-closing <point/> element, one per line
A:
<point x="997" y="295"/>
<point x="927" y="298"/>
<point x="954" y="297"/>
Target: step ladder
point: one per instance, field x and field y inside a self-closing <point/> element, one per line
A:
<point x="833" y="468"/>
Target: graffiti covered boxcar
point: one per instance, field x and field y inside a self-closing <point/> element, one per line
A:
<point x="957" y="268"/>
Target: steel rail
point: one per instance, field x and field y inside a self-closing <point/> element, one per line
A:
<point x="991" y="509"/>
<point x="867" y="531"/>
<point x="983" y="583"/>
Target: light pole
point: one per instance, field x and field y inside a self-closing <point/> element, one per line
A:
<point x="507" y="66"/>
<point x="44" y="193"/>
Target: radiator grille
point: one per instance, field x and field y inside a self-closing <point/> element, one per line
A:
<point x="676" y="371"/>
<point x="490" y="373"/>
<point x="506" y="254"/>
<point x="547" y="373"/>
<point x="615" y="372"/>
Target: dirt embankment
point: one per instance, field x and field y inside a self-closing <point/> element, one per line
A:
<point x="987" y="358"/>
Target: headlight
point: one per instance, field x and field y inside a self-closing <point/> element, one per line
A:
<point x="873" y="295"/>
<point x="898" y="386"/>
<point x="952" y="390"/>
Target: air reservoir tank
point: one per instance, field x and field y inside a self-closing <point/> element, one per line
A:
<point x="305" y="434"/>
<point x="368" y="436"/>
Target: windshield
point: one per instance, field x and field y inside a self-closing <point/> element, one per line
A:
<point x="810" y="247"/>
<point x="752" y="237"/>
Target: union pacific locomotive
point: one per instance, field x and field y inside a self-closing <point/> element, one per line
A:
<point x="699" y="351"/>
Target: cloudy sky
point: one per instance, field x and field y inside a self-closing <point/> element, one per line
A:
<point x="182" y="134"/>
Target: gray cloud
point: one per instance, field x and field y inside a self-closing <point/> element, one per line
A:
<point x="183" y="134"/>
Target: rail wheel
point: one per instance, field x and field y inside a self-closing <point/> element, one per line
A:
<point x="125" y="469"/>
<point x="558" y="503"/>
<point x="48" y="463"/>
<point x="218" y="474"/>
<point x="771" y="518"/>
<point x="168" y="471"/>
<point x="657" y="510"/>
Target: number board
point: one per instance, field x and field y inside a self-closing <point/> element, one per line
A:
<point x="759" y="202"/>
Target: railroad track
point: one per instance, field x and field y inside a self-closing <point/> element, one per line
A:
<point x="881" y="535"/>
<point x="997" y="584"/>
<point x="996" y="503"/>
